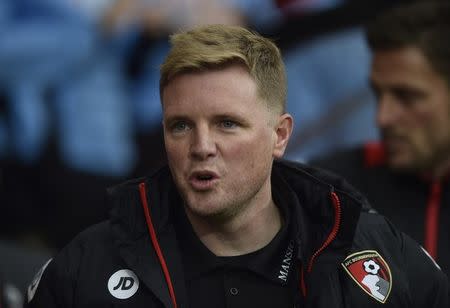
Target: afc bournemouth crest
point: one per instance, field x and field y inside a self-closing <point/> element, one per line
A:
<point x="370" y="272"/>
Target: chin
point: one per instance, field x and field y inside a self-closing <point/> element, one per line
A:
<point x="209" y="215"/>
<point x="402" y="164"/>
<point x="211" y="211"/>
<point x="201" y="208"/>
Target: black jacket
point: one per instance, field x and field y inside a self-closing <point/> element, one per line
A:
<point x="401" y="197"/>
<point x="331" y="225"/>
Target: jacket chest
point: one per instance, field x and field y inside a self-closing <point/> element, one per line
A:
<point x="356" y="287"/>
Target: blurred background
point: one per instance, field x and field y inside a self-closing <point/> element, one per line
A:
<point x="80" y="110"/>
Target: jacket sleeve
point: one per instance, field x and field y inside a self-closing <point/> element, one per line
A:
<point x="52" y="285"/>
<point x="428" y="283"/>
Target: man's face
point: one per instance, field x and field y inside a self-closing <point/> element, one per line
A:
<point x="220" y="140"/>
<point x="413" y="111"/>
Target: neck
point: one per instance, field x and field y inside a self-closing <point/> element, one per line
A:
<point x="250" y="230"/>
<point x="441" y="170"/>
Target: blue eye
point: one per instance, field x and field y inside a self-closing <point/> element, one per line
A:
<point x="228" y="124"/>
<point x="180" y="126"/>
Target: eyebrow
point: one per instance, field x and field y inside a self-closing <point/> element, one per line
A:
<point x="216" y="117"/>
<point x="175" y="118"/>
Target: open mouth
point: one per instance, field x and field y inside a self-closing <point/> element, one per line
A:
<point x="203" y="180"/>
<point x="204" y="177"/>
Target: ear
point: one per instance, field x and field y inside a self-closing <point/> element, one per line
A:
<point x="283" y="131"/>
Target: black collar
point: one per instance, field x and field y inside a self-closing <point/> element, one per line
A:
<point x="273" y="262"/>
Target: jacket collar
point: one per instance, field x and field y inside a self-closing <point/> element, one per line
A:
<point x="130" y="233"/>
<point x="311" y="189"/>
<point x="307" y="190"/>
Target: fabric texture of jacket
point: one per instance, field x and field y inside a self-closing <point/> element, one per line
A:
<point x="414" y="203"/>
<point x="132" y="260"/>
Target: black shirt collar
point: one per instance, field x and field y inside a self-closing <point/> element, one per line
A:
<point x="274" y="262"/>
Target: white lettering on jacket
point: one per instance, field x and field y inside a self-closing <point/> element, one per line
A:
<point x="287" y="261"/>
<point x="123" y="284"/>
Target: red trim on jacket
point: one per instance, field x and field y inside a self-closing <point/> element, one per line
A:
<point x="331" y="236"/>
<point x="302" y="282"/>
<point x="432" y="219"/>
<point x="374" y="154"/>
<point x="155" y="243"/>
<point x="283" y="3"/>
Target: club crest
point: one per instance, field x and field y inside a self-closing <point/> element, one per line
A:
<point x="370" y="272"/>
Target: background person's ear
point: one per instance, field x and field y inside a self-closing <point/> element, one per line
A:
<point x="283" y="133"/>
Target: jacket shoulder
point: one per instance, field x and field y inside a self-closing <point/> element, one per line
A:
<point x="348" y="163"/>
<point x="54" y="284"/>
<point x="98" y="236"/>
<point x="328" y="180"/>
<point x="413" y="271"/>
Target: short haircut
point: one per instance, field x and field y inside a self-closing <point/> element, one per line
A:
<point x="422" y="24"/>
<point x="214" y="47"/>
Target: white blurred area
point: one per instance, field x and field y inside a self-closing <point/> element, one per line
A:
<point x="160" y="15"/>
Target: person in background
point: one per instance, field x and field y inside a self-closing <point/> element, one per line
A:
<point x="227" y="222"/>
<point x="406" y="174"/>
<point x="10" y="296"/>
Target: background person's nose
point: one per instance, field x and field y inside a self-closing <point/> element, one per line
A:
<point x="387" y="111"/>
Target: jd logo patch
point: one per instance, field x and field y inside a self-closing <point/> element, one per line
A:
<point x="123" y="284"/>
<point x="371" y="273"/>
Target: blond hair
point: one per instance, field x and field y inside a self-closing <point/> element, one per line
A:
<point x="216" y="46"/>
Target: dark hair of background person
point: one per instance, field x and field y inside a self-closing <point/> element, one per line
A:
<point x="419" y="25"/>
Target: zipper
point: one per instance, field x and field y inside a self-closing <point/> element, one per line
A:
<point x="155" y="243"/>
<point x="330" y="238"/>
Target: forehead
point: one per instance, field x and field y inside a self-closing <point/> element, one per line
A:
<point x="402" y="65"/>
<point x="229" y="87"/>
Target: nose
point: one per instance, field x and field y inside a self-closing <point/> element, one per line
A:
<point x="203" y="144"/>
<point x="387" y="111"/>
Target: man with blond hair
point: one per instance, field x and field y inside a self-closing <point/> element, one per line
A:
<point x="227" y="223"/>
